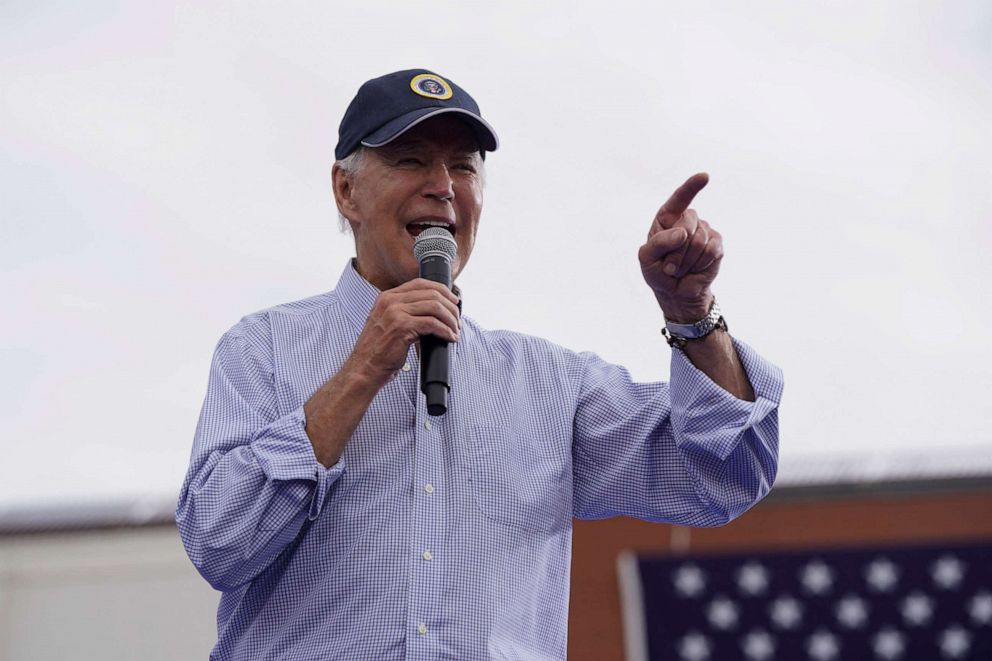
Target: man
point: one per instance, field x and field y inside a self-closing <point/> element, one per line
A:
<point x="341" y="521"/>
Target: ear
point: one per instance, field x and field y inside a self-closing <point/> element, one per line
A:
<point x="343" y="185"/>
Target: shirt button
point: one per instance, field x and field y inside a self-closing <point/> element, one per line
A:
<point x="406" y="367"/>
<point x="427" y="425"/>
<point x="427" y="556"/>
<point x="429" y="488"/>
<point x="421" y="628"/>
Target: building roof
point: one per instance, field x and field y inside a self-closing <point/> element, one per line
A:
<point x="830" y="475"/>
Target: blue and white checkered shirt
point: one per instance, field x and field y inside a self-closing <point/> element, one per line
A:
<point x="446" y="537"/>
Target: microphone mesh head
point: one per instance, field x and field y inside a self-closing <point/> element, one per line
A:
<point x="435" y="241"/>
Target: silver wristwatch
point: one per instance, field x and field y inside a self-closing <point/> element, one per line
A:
<point x="678" y="334"/>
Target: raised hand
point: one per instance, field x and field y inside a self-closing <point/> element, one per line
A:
<point x="682" y="255"/>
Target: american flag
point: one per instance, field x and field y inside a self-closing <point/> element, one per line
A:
<point x="897" y="602"/>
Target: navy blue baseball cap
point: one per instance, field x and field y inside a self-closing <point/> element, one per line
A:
<point x="386" y="107"/>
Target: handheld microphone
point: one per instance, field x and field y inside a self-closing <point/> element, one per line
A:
<point x="435" y="248"/>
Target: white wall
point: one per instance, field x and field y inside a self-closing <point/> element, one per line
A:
<point x="127" y="595"/>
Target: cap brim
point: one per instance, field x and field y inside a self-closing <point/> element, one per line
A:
<point x="397" y="127"/>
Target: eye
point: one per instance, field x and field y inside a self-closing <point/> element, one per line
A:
<point x="409" y="160"/>
<point x="465" y="167"/>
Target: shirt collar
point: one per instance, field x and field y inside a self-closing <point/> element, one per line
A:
<point x="357" y="295"/>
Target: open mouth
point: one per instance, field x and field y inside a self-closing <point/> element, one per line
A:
<point x="416" y="228"/>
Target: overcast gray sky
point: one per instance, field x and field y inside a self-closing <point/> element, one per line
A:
<point x="165" y="171"/>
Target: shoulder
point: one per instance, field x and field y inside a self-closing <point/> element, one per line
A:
<point x="256" y="328"/>
<point x="294" y="310"/>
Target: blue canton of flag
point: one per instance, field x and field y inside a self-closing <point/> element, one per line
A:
<point x="893" y="603"/>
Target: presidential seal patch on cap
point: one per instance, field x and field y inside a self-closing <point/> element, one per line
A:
<point x="431" y="86"/>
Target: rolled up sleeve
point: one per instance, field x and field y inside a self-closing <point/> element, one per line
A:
<point x="684" y="452"/>
<point x="729" y="445"/>
<point x="253" y="478"/>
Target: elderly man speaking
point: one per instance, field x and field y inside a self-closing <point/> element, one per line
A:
<point x="341" y="520"/>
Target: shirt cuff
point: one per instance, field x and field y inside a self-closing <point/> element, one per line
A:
<point x="284" y="452"/>
<point x="709" y="418"/>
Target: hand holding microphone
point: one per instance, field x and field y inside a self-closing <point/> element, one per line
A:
<point x="422" y="309"/>
<point x="400" y="317"/>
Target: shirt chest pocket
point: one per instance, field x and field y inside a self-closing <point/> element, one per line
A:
<point x="521" y="481"/>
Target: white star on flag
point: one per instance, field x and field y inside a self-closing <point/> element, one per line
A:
<point x="689" y="580"/>
<point x="917" y="609"/>
<point x="758" y="646"/>
<point x="947" y="572"/>
<point x="752" y="579"/>
<point x="882" y="575"/>
<point x="823" y="646"/>
<point x="722" y="613"/>
<point x="694" y="647"/>
<point x="954" y="643"/>
<point x="889" y="644"/>
<point x="786" y="612"/>
<point x="817" y="577"/>
<point x="980" y="608"/>
<point x="852" y="611"/>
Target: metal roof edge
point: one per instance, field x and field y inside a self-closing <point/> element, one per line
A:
<point x="807" y="476"/>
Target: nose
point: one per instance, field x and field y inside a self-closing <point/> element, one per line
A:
<point x="439" y="183"/>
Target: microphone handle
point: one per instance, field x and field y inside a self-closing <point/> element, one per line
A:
<point x="434" y="366"/>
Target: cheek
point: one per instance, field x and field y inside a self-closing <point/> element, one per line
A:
<point x="469" y="193"/>
<point x="466" y="238"/>
<point x="465" y="248"/>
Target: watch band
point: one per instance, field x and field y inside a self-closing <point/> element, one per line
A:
<point x="677" y="335"/>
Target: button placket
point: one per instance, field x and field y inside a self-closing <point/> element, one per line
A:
<point x="430" y="522"/>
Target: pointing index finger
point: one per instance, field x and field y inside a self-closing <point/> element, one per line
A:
<point x="674" y="206"/>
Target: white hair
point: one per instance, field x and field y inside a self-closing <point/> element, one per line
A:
<point x="352" y="164"/>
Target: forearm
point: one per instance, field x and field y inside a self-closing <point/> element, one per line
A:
<point x="686" y="452"/>
<point x="251" y="487"/>
<point x="715" y="356"/>
<point x="728" y="486"/>
<point x="255" y="476"/>
<point x="334" y="411"/>
<point x="232" y="540"/>
<point x="729" y="445"/>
